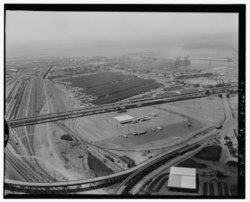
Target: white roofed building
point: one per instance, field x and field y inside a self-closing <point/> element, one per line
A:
<point x="124" y="118"/>
<point x="182" y="179"/>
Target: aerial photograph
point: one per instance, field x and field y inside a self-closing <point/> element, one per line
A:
<point x="121" y="103"/>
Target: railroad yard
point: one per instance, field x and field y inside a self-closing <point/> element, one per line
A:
<point x="103" y="144"/>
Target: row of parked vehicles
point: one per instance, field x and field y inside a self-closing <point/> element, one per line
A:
<point x="145" y="132"/>
<point x="157" y="128"/>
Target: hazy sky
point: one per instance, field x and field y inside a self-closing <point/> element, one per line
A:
<point x="36" y="33"/>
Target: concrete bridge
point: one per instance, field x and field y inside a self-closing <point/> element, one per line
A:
<point x="113" y="107"/>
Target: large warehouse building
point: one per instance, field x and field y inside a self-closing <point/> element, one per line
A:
<point x="182" y="179"/>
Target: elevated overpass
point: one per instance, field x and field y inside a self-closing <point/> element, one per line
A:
<point x="78" y="185"/>
<point x="113" y="107"/>
<point x="134" y="178"/>
<point x="98" y="182"/>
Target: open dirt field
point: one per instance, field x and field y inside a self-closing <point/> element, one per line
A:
<point x="59" y="157"/>
<point x="106" y="131"/>
<point x="70" y="152"/>
<point x="209" y="110"/>
<point x="104" y="126"/>
<point x="169" y="134"/>
<point x="46" y="154"/>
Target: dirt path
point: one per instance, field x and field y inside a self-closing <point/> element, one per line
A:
<point x="50" y="148"/>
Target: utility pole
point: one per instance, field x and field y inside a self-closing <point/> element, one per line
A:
<point x="42" y="177"/>
<point x="54" y="175"/>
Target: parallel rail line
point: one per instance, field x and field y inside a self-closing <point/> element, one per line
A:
<point x="111" y="107"/>
<point x="93" y="183"/>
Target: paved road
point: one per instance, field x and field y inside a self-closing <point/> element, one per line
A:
<point x="107" y="108"/>
<point x="227" y="109"/>
<point x="193" y="142"/>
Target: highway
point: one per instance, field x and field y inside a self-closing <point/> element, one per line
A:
<point x="133" y="179"/>
<point x="112" y="107"/>
<point x="133" y="183"/>
<point x="94" y="183"/>
<point x="34" y="184"/>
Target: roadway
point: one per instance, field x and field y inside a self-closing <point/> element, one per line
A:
<point x="111" y="107"/>
<point x="227" y="108"/>
<point x="131" y="182"/>
<point x="86" y="184"/>
<point x="94" y="183"/>
<point x="133" y="186"/>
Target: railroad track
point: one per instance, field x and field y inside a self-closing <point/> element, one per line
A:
<point x="93" y="183"/>
<point x="24" y="170"/>
<point x="108" y="108"/>
<point x="36" y="167"/>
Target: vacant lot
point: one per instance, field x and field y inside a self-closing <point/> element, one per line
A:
<point x="105" y="130"/>
<point x="170" y="133"/>
<point x="104" y="126"/>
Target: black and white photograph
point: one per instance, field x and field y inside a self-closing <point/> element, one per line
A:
<point x="124" y="101"/>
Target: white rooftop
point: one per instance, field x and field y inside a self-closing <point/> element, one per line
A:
<point x="182" y="171"/>
<point x="124" y="118"/>
<point x="180" y="177"/>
